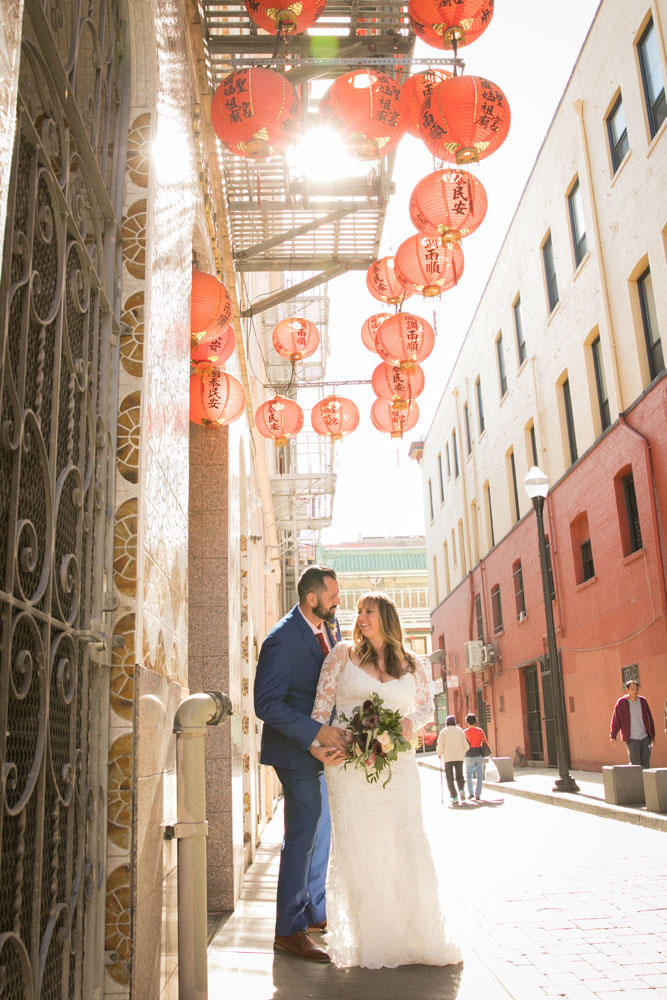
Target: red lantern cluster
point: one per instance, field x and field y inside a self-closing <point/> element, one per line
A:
<point x="255" y="113"/>
<point x="284" y="17"/>
<point x="446" y="25"/>
<point x="215" y="349"/>
<point x="334" y="416"/>
<point x="415" y="91"/>
<point x="383" y="284"/>
<point x="279" y="418"/>
<point x="395" y="420"/>
<point x="296" y="338"/>
<point x="448" y="205"/>
<point x="365" y="107"/>
<point x="392" y="383"/>
<point x="210" y="306"/>
<point x="425" y="266"/>
<point x="404" y="339"/>
<point x="465" y="119"/>
<point x="215" y="397"/>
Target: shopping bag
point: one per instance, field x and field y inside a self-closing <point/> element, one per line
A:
<point x="491" y="771"/>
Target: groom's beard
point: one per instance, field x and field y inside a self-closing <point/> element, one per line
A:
<point x="326" y="614"/>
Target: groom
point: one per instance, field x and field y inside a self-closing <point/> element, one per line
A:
<point x="286" y="679"/>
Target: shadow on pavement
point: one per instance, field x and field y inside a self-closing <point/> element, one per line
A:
<point x="421" y="982"/>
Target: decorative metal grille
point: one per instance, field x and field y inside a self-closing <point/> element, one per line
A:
<point x="58" y="364"/>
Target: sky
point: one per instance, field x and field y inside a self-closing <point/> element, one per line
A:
<point x="529" y="51"/>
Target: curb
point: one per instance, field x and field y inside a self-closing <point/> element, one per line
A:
<point x="579" y="802"/>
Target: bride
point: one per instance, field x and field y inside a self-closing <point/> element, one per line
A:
<point x="382" y="890"/>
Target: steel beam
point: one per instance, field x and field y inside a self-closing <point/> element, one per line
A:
<point x="287" y="294"/>
<point x="313" y="263"/>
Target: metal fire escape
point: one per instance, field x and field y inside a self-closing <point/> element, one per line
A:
<point x="307" y="230"/>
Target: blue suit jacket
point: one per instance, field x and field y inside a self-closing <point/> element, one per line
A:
<point x="286" y="679"/>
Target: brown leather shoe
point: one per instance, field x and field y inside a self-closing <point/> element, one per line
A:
<point x="319" y="928"/>
<point x="300" y="944"/>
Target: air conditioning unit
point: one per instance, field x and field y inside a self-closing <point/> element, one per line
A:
<point x="521" y="616"/>
<point x="473" y="651"/>
<point x="488" y="655"/>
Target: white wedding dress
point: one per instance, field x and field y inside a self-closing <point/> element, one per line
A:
<point x="383" y="907"/>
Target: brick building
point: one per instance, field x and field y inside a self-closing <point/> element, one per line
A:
<point x="563" y="367"/>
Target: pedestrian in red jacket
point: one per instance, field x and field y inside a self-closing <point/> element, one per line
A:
<point x="633" y="717"/>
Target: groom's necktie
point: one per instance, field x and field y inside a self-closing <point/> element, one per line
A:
<point x="323" y="643"/>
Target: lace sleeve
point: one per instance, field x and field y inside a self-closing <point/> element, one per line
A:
<point x="423" y="711"/>
<point x="325" y="699"/>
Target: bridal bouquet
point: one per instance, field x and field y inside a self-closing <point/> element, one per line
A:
<point x="377" y="738"/>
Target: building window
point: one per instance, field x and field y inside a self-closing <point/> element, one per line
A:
<point x="478" y="617"/>
<point x="430" y="499"/>
<point x="628" y="511"/>
<point x="656" y="361"/>
<point x="462" y="549"/>
<point x="654" y="85"/>
<point x="480" y="405"/>
<point x="532" y="444"/>
<point x="617" y="132"/>
<point x="449" y="468"/>
<point x="497" y="609"/>
<point x="436" y="588"/>
<point x="550" y="571"/>
<point x="588" y="567"/>
<point x="577" y="224"/>
<point x="454" y="561"/>
<point x="466" y="421"/>
<point x="455" y="453"/>
<point x="445" y="553"/>
<point x="600" y="384"/>
<point x="514" y="490"/>
<point x="518" y="329"/>
<point x="550" y="273"/>
<point x="440" y="479"/>
<point x="569" y="421"/>
<point x="519" y="599"/>
<point x="489" y="514"/>
<point x="502" y="376"/>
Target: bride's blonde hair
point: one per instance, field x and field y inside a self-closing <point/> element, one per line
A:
<point x="395" y="654"/>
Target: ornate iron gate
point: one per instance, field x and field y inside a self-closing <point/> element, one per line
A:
<point x="58" y="364"/>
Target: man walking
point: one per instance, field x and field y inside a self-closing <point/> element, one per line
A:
<point x="633" y="717"/>
<point x="288" y="670"/>
<point x="452" y="747"/>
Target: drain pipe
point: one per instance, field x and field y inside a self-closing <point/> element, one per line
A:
<point x="193" y="715"/>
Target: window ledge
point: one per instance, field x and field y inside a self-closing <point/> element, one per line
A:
<point x="586" y="583"/>
<point x="482" y="435"/>
<point x="656" y="138"/>
<point x="520" y="619"/>
<point x="497" y="632"/>
<point x="620" y="167"/>
<point x="633" y="557"/>
<point x="504" y="397"/>
<point x="580" y="265"/>
<point x="523" y="365"/>
<point x="553" y="312"/>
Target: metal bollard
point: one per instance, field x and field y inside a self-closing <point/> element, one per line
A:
<point x="193" y="715"/>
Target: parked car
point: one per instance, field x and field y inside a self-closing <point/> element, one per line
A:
<point x="428" y="737"/>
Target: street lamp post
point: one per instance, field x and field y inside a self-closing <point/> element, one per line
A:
<point x="537" y="487"/>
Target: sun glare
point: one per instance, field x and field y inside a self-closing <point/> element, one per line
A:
<point x="321" y="155"/>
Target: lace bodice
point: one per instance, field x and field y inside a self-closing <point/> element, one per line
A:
<point x="344" y="685"/>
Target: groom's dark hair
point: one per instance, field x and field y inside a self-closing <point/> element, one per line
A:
<point x="313" y="581"/>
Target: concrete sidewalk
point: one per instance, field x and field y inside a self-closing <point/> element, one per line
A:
<point x="537" y="783"/>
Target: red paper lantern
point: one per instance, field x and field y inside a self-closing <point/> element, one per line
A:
<point x="414" y="92"/>
<point x="279" y="418"/>
<point x="255" y="113"/>
<point x="215" y="397"/>
<point x="284" y="17"/>
<point x="371" y="328"/>
<point x="365" y="107"/>
<point x="392" y="419"/>
<point x="296" y="338"/>
<point x="392" y="383"/>
<point x="382" y="283"/>
<point x="210" y="305"/>
<point x="404" y="339"/>
<point x="334" y="416"/>
<point x="446" y="25"/>
<point x="215" y="349"/>
<point x="425" y="266"/>
<point x="466" y="119"/>
<point x="448" y="204"/>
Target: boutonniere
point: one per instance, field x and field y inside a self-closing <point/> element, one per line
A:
<point x="332" y="631"/>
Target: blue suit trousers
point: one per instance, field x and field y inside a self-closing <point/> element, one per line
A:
<point x="304" y="857"/>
